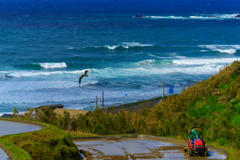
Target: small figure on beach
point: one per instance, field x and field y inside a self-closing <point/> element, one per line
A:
<point x="83" y="75"/>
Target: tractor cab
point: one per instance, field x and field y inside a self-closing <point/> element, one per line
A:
<point x="197" y="146"/>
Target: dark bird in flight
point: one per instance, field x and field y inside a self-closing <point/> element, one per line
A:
<point x="83" y="75"/>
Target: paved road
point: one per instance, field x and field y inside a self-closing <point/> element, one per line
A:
<point x="137" y="149"/>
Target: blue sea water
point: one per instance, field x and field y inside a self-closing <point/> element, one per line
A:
<point x="45" y="45"/>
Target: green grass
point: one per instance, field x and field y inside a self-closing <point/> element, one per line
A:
<point x="16" y="152"/>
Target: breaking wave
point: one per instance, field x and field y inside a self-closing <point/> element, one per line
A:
<point x="39" y="73"/>
<point x="153" y="62"/>
<point x="167" y="17"/>
<point x="53" y="65"/>
<point x="229" y="49"/>
<point x="200" y="17"/>
<point x="195" y="61"/>
<point x="141" y="71"/>
<point x="188" y="61"/>
<point x="123" y="45"/>
<point x="147" y="62"/>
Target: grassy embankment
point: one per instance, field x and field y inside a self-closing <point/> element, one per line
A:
<point x="48" y="143"/>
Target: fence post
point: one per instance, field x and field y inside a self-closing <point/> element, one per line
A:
<point x="163" y="89"/>
<point x="96" y="101"/>
<point x="102" y="99"/>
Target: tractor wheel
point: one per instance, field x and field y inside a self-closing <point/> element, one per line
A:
<point x="206" y="153"/>
<point x="191" y="152"/>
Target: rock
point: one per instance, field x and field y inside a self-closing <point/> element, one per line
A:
<point x="140" y="16"/>
<point x="237" y="16"/>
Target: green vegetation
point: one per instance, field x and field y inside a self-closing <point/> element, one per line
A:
<point x="48" y="143"/>
<point x="15" y="151"/>
<point x="213" y="104"/>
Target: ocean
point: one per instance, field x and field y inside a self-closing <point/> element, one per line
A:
<point x="129" y="48"/>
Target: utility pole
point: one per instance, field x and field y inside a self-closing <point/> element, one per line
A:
<point x="96" y="101"/>
<point x="163" y="89"/>
<point x="189" y="84"/>
<point x="102" y="99"/>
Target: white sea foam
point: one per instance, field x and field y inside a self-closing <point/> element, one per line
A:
<point x="229" y="49"/>
<point x="146" y="62"/>
<point x="40" y="73"/>
<point x="126" y="45"/>
<point x="197" y="17"/>
<point x="111" y="47"/>
<point x="167" y="17"/>
<point x="200" y="17"/>
<point x="53" y="65"/>
<point x="35" y="85"/>
<point x="126" y="72"/>
<point x="226" y="16"/>
<point x="195" y="61"/>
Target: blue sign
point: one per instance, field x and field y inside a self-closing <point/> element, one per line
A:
<point x="171" y="89"/>
<point x="126" y="95"/>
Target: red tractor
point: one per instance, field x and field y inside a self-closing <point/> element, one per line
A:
<point x="197" y="147"/>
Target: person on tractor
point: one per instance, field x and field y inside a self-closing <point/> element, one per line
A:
<point x="193" y="135"/>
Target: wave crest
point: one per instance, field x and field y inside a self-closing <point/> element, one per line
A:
<point x="123" y="45"/>
<point x="205" y="61"/>
<point x="198" y="17"/>
<point x="53" y="65"/>
<point x="229" y="49"/>
<point x="146" y="62"/>
<point x="39" y="73"/>
<point x="154" y="62"/>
